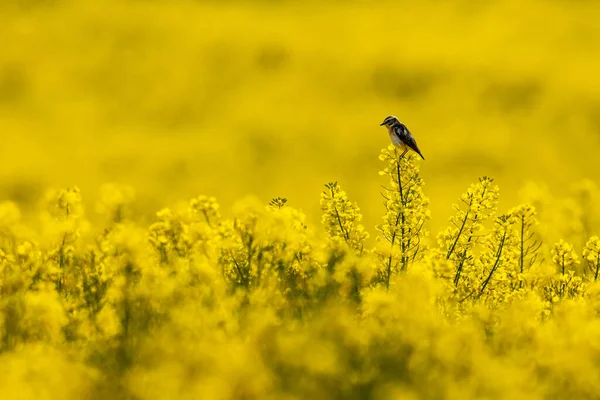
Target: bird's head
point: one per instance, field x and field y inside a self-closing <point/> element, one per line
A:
<point x="389" y="121"/>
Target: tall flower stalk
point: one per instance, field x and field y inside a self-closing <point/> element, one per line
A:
<point x="457" y="242"/>
<point x="342" y="218"/>
<point x="591" y="252"/>
<point x="525" y="220"/>
<point x="406" y="212"/>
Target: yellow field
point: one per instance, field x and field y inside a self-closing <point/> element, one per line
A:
<point x="112" y="111"/>
<point x="275" y="99"/>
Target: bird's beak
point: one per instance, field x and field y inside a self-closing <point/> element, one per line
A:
<point x="382" y="124"/>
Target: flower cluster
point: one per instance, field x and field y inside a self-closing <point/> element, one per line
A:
<point x="406" y="206"/>
<point x="342" y="218"/>
<point x="591" y="253"/>
<point x="457" y="243"/>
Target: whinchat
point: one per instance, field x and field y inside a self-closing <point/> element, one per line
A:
<point x="400" y="135"/>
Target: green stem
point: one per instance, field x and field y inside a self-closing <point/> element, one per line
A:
<point x="462" y="227"/>
<point x="496" y="264"/>
<point x="402" y="227"/>
<point x="345" y="233"/>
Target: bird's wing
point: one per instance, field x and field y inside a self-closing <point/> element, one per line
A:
<point x="403" y="133"/>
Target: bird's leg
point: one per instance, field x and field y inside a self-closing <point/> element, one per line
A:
<point x="403" y="153"/>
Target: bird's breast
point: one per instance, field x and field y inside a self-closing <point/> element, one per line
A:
<point x="396" y="140"/>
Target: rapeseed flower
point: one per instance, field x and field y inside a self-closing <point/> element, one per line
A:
<point x="342" y="218"/>
<point x="407" y="212"/>
<point x="154" y="308"/>
<point x="591" y="253"/>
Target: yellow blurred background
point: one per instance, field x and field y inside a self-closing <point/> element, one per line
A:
<point x="276" y="98"/>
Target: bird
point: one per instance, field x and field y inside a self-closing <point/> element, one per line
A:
<point x="400" y="135"/>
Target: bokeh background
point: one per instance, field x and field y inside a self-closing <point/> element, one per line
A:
<point x="276" y="98"/>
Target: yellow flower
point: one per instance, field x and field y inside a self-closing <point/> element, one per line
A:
<point x="564" y="256"/>
<point x="591" y="252"/>
<point x="525" y="219"/>
<point x="406" y="214"/>
<point x="458" y="241"/>
<point x="342" y="218"/>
